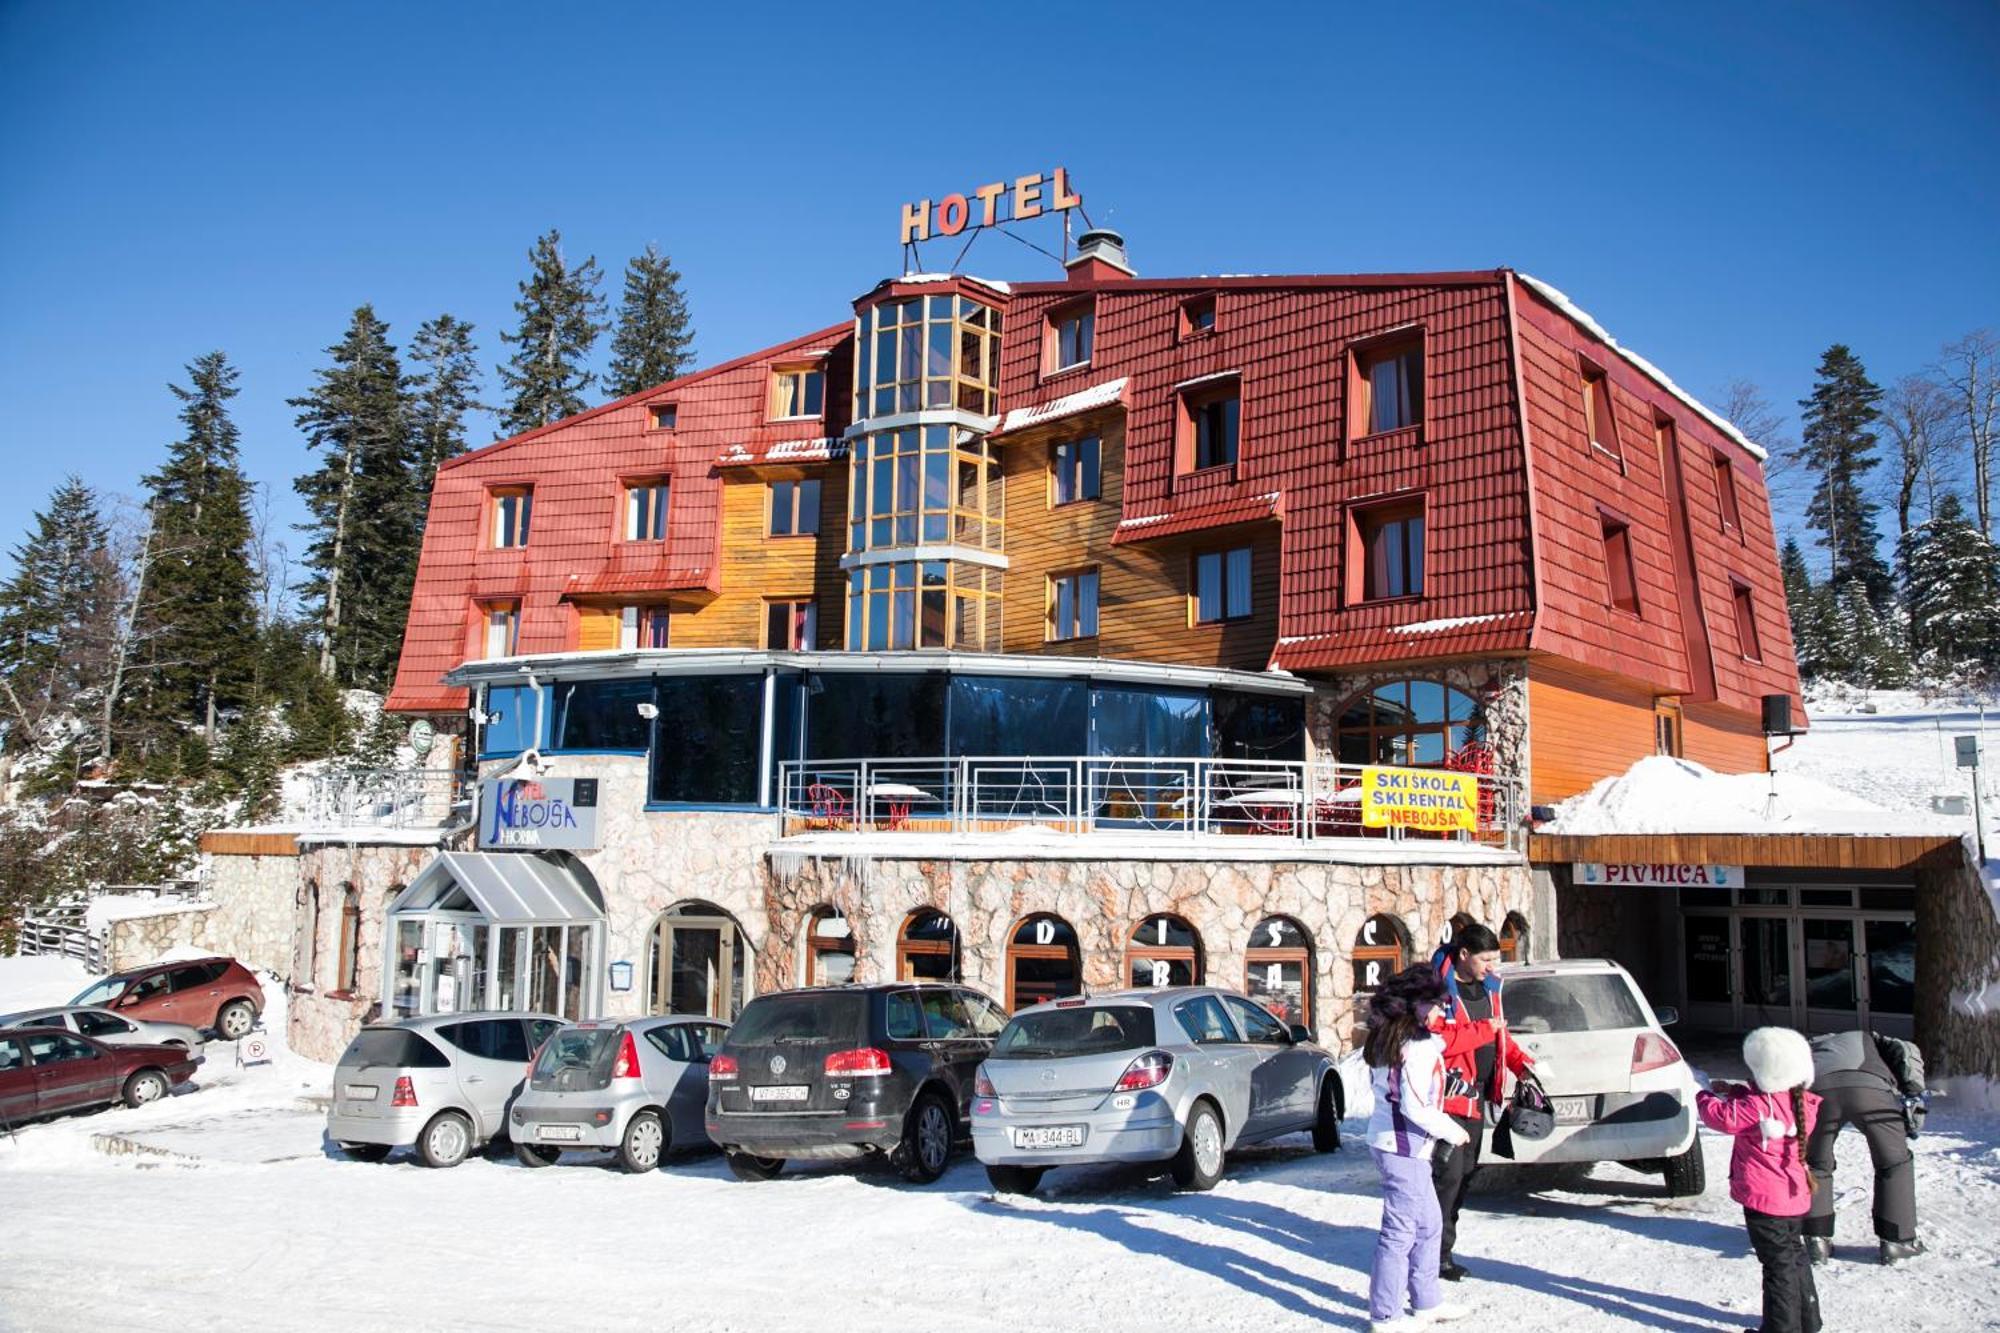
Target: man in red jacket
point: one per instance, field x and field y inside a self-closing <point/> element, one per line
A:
<point x="1477" y="1054"/>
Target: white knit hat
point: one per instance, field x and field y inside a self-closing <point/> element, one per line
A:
<point x="1779" y="1059"/>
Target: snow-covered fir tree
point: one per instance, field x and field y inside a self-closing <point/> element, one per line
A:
<point x="1837" y="450"/>
<point x="1807" y="604"/>
<point x="1866" y="645"/>
<point x="562" y="313"/>
<point x="1951" y="586"/>
<point x="654" y="339"/>
<point x="55" y="616"/>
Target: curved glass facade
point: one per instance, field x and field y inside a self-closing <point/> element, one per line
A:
<point x="926" y="353"/>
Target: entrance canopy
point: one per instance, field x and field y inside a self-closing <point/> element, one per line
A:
<point x="506" y="888"/>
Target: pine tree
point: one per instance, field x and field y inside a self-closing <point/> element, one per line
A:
<point x="1951" y="584"/>
<point x="365" y="503"/>
<point x="561" y="315"/>
<point x="444" y="389"/>
<point x="1838" y="450"/>
<point x="55" y="615"/>
<point x="201" y="612"/>
<point x="654" y="341"/>
<point x="1806" y="605"/>
<point x="1867" y="647"/>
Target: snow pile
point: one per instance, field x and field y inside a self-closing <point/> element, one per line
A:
<point x="1662" y="794"/>
<point x="109" y="907"/>
<point x="35" y="982"/>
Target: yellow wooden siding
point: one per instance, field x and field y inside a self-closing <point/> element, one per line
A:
<point x="758" y="568"/>
<point x="1724" y="740"/>
<point x="596" y="628"/>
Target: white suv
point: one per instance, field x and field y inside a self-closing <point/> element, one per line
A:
<point x="1621" y="1090"/>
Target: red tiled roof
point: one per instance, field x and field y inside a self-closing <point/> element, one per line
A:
<point x="1200" y="518"/>
<point x="756" y="453"/>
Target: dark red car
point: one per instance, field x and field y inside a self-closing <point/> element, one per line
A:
<point x="46" y="1071"/>
<point x="204" y="993"/>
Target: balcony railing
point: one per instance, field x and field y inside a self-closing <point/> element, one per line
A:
<point x="1313" y="801"/>
<point x="383" y="798"/>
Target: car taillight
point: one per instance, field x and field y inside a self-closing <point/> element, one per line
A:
<point x="982" y="1086"/>
<point x="1652" y="1051"/>
<point x="721" y="1066"/>
<point x="865" y="1061"/>
<point x="533" y="1056"/>
<point x="628" y="1059"/>
<point x="405" y="1094"/>
<point x="1148" y="1071"/>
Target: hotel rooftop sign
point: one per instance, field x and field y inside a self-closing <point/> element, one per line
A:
<point x="1026" y="197"/>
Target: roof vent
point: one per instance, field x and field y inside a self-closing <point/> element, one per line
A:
<point x="1099" y="245"/>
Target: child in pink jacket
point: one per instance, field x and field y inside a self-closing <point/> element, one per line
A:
<point x="1767" y="1168"/>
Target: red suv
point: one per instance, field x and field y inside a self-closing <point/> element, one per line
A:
<point x="47" y="1070"/>
<point x="207" y="993"/>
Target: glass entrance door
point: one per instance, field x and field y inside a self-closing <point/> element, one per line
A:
<point x="1832" y="991"/>
<point x="1708" y="963"/>
<point x="703" y="971"/>
<point x="1767" y="971"/>
<point x="1891" y="969"/>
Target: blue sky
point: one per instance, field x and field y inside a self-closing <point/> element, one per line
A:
<point x="1728" y="188"/>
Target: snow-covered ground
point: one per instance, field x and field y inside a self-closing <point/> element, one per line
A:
<point x="236" y="1213"/>
<point x="1900" y="753"/>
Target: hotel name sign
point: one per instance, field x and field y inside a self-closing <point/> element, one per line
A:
<point x="1001" y="201"/>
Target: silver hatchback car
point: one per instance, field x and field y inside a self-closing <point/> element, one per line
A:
<point x="107" y="1027"/>
<point x="441" y="1084"/>
<point x="1177" y="1076"/>
<point x="635" y="1089"/>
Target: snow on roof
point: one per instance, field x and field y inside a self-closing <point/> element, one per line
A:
<point x="1205" y="379"/>
<point x="109" y="907"/>
<point x="994" y="283"/>
<point x="1452" y="622"/>
<point x="820" y="450"/>
<point x="1561" y="302"/>
<point x="1662" y="794"/>
<point x="1083" y="400"/>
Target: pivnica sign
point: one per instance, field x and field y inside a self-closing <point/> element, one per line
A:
<point x="544" y="813"/>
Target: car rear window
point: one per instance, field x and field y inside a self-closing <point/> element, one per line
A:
<point x="589" y="1049"/>
<point x="806" y="1016"/>
<point x="1578" y="1002"/>
<point x="399" y="1047"/>
<point x="1050" y="1033"/>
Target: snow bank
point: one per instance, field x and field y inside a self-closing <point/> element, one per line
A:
<point x="107" y="908"/>
<point x="1662" y="794"/>
<point x="31" y="983"/>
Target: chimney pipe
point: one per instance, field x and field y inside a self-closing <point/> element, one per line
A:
<point x="1100" y="254"/>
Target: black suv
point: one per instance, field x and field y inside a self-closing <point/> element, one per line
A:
<point x="850" y="1071"/>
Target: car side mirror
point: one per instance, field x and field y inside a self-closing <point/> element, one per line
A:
<point x="1301" y="1033"/>
<point x="1668" y="1015"/>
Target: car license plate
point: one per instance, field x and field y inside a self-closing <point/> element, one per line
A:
<point x="1572" y="1110"/>
<point x="1053" y="1136"/>
<point x="561" y="1133"/>
<point x="786" y="1093"/>
<point x="359" y="1092"/>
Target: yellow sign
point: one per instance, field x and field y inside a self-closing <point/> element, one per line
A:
<point x="1425" y="798"/>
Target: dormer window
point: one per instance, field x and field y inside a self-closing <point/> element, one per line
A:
<point x="662" y="416"/>
<point x="1197" y="316"/>
<point x="1211" y="415"/>
<point x="1072" y="330"/>
<point x="1386" y="387"/>
<point x="797" y="391"/>
<point x="512" y="508"/>
<point x="646" y="510"/>
<point x="1598" y="424"/>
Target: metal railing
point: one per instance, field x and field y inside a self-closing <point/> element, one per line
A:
<point x="1165" y="797"/>
<point x="62" y="930"/>
<point x="412" y="798"/>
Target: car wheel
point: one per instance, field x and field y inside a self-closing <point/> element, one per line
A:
<point x="536" y="1154"/>
<point x="236" y="1020"/>
<point x="644" y="1143"/>
<point x="1014" y="1179"/>
<point x="446" y="1140"/>
<point x="364" y="1152"/>
<point x="1198" y="1164"/>
<point x="926" y="1147"/>
<point x="1687" y="1174"/>
<point x="746" y="1167"/>
<point x="148" y="1085"/>
<point x="1326" y="1124"/>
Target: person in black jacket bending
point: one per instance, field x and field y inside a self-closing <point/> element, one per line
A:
<point x="1876" y="1084"/>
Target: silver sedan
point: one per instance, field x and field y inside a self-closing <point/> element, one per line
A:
<point x="1176" y="1076"/>
<point x="107" y="1027"/>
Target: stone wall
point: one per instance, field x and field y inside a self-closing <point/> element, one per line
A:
<point x="135" y="941"/>
<point x="1958" y="972"/>
<point x="324" y="1015"/>
<point x="255" y="899"/>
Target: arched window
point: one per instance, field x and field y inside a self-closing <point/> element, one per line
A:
<point x="1514" y="939"/>
<point x="829" y="948"/>
<point x="1164" y="951"/>
<point x="312" y="933"/>
<point x="1043" y="962"/>
<point x="1280" y="970"/>
<point x="927" y="948"/>
<point x="350" y="939"/>
<point x="1381" y="950"/>
<point x="699" y="962"/>
<point x="1415" y="722"/>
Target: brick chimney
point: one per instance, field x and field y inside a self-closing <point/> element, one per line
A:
<point x="1100" y="257"/>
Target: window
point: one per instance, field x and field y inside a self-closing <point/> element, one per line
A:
<point x="1388" y="545"/>
<point x="791" y="624"/>
<point x="1618" y="565"/>
<point x="935" y="604"/>
<point x="490" y="1039"/>
<point x="1382" y="948"/>
<point x="710" y="731"/>
<point x="1257" y="1024"/>
<point x="1043" y="962"/>
<point x="1164" y="951"/>
<point x="1209" y="420"/>
<point x="1666" y="727"/>
<point x="643" y="627"/>
<point x="1408" y="722"/>
<point x="55" y="1049"/>
<point x="927" y="950"/>
<point x="602" y="715"/>
<point x="945" y="1018"/>
<point x="1222" y="585"/>
<point x="101" y="1025"/>
<point x="1746" y="620"/>
<point x="797" y="391"/>
<point x="795" y="508"/>
<point x="903" y="1019"/>
<point x="511" y="511"/>
<point x="829" y="948"/>
<point x="1072" y="605"/>
<point x="349" y="958"/>
<point x="937" y="351"/>
<point x="1076" y="471"/>
<point x="1072" y="331"/>
<point x="922" y="485"/>
<point x="1386" y="387"/>
<point x="503" y="627"/>
<point x="1279" y="970"/>
<point x="1602" y="431"/>
<point x="1204" y="1020"/>
<point x="646" y="511"/>
<point x="1725" y="495"/>
<point x="10" y="1054"/>
<point x="1197" y="316"/>
<point x="662" y="416"/>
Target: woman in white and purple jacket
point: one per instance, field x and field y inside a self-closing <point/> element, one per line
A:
<point x="1406" y="1069"/>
